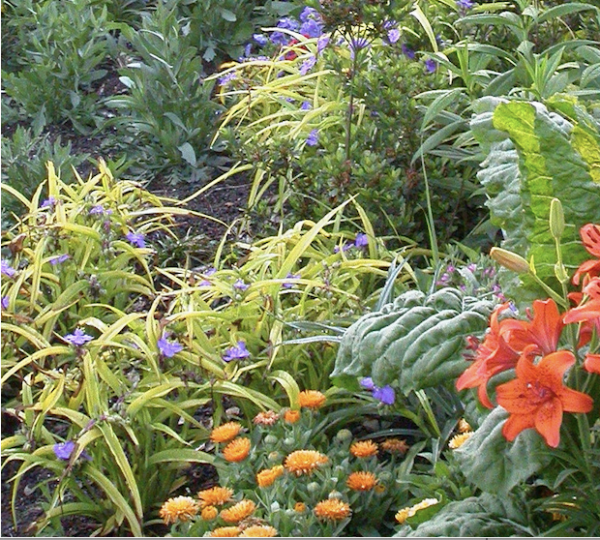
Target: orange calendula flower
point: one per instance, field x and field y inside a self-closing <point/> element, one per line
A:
<point x="363" y="449"/>
<point x="291" y="416"/>
<point x="395" y="446"/>
<point x="209" y="513"/>
<point x="304" y="461"/>
<point x="506" y="341"/>
<point x="239" y="511"/>
<point x="405" y="513"/>
<point x="538" y="397"/>
<point x="259" y="531"/>
<point x="225" y="532"/>
<point x="312" y="399"/>
<point x="463" y="426"/>
<point x="266" y="477"/>
<point x="332" y="510"/>
<point x="266" y="418"/>
<point x="237" y="450"/>
<point x="215" y="496"/>
<point x="178" y="509"/>
<point x="300" y="507"/>
<point x="362" y="481"/>
<point x="225" y="432"/>
<point x="458" y="440"/>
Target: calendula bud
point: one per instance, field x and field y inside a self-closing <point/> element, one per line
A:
<point x="271" y="439"/>
<point x="557" y="219"/>
<point x="344" y="435"/>
<point x="509" y="260"/>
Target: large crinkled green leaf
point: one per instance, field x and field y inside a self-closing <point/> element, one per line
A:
<point x="533" y="156"/>
<point x="486" y="515"/>
<point x="414" y="343"/>
<point x="495" y="465"/>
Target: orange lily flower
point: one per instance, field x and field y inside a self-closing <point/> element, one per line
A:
<point x="592" y="363"/>
<point x="507" y="340"/>
<point x="538" y="397"/>
<point x="590" y="237"/>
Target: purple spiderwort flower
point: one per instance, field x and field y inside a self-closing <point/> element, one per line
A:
<point x="238" y="352"/>
<point x="64" y="450"/>
<point x="386" y="395"/>
<point x="430" y="65"/>
<point x="393" y="35"/>
<point x="208" y="273"/>
<point x="227" y="78"/>
<point x="5" y="302"/>
<point x="322" y="43"/>
<point x="408" y="52"/>
<point x="7" y="269"/>
<point x="99" y="210"/>
<point x="168" y="348"/>
<point x="313" y="138"/>
<point x="288" y="23"/>
<point x="309" y="13"/>
<point x="136" y="239"/>
<point x="78" y="338"/>
<point x="240" y="285"/>
<point x="59" y="259"/>
<point x="361" y="240"/>
<point x="307" y="65"/>
<point x="345" y="247"/>
<point x="367" y="383"/>
<point x="287" y="285"/>
<point x="50" y="202"/>
<point x="465" y="4"/>
<point x="261" y="39"/>
<point x="306" y="106"/>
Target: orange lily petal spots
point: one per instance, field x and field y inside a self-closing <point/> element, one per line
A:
<point x="592" y="363"/>
<point x="515" y="424"/>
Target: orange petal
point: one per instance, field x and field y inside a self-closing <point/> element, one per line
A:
<point x="515" y="424"/>
<point x="589" y="310"/>
<point x="552" y="368"/>
<point x="590" y="236"/>
<point x="574" y="401"/>
<point x="548" y="419"/>
<point x="515" y="397"/>
<point x="592" y="363"/>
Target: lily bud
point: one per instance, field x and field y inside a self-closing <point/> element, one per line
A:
<point x="557" y="219"/>
<point x="510" y="260"/>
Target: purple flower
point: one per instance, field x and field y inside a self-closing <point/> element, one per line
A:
<point x="393" y="35"/>
<point x="288" y="285"/>
<point x="136" y="239"/>
<point x="64" y="450"/>
<point x="310" y="14"/>
<point x="322" y="43"/>
<point x="361" y="240"/>
<point x="279" y="38"/>
<point x="240" y="285"/>
<point x="313" y="138"/>
<point x="98" y="210"/>
<point x="358" y="44"/>
<point x="48" y="203"/>
<point x="367" y="383"/>
<point x="465" y="4"/>
<point x="59" y="259"/>
<point x="386" y="395"/>
<point x="261" y="39"/>
<point x="306" y="106"/>
<point x="311" y="28"/>
<point x="206" y="282"/>
<point x="236" y="353"/>
<point x="472" y="267"/>
<point x="430" y="65"/>
<point x="289" y="24"/>
<point x="307" y="65"/>
<point x="227" y="78"/>
<point x="408" y="52"/>
<point x="6" y="269"/>
<point x="345" y="247"/>
<point x="78" y="338"/>
<point x="5" y="302"/>
<point x="168" y="348"/>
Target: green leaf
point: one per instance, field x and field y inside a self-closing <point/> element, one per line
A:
<point x="228" y="15"/>
<point x="414" y="343"/>
<point x="188" y="154"/>
<point x="495" y="465"/>
<point x="486" y="515"/>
